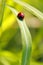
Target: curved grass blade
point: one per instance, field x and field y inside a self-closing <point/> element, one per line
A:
<point x="31" y="9"/>
<point x="2" y="11"/>
<point x="26" y="40"/>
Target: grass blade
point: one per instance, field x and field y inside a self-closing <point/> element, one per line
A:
<point x="2" y="11"/>
<point x="26" y="42"/>
<point x="26" y="39"/>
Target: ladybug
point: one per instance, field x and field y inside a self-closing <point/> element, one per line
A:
<point x="20" y="16"/>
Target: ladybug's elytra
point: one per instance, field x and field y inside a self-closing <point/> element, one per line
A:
<point x="20" y="16"/>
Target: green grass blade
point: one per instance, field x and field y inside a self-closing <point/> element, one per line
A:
<point x="26" y="40"/>
<point x="31" y="9"/>
<point x="2" y="11"/>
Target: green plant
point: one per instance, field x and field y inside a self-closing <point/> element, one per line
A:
<point x="26" y="40"/>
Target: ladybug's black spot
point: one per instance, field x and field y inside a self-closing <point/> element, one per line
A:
<point x="20" y="16"/>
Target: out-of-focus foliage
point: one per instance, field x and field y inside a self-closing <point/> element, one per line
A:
<point x="10" y="35"/>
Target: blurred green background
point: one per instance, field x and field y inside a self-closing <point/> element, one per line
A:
<point x="10" y="36"/>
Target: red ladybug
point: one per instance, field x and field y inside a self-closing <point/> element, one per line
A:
<point x="20" y="16"/>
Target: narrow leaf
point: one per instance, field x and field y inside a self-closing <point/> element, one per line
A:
<point x="26" y="39"/>
<point x="2" y="11"/>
